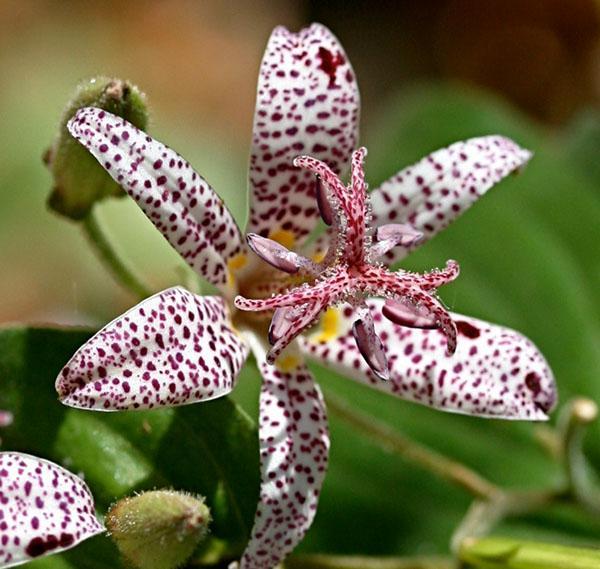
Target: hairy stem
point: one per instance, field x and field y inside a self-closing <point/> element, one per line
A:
<point x="431" y="460"/>
<point x="105" y="252"/>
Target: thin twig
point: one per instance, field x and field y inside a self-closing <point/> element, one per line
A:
<point x="483" y="515"/>
<point x="391" y="440"/>
<point x="104" y="250"/>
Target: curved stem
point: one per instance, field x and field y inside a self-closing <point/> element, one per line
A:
<point x="105" y="252"/>
<point x="391" y="440"/>
<point x="483" y="515"/>
<point x="573" y="422"/>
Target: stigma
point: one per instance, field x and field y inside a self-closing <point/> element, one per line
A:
<point x="351" y="271"/>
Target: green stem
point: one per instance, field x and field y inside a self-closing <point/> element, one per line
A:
<point x="391" y="440"/>
<point x="105" y="252"/>
<point x="364" y="562"/>
<point x="573" y="422"/>
<point x="483" y="515"/>
<point x="504" y="553"/>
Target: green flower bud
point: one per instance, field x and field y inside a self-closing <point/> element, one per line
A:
<point x="158" y="529"/>
<point x="79" y="181"/>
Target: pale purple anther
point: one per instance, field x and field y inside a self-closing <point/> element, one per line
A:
<point x="277" y="255"/>
<point x="370" y="346"/>
<point x="405" y="314"/>
<point x="325" y="209"/>
<point x="44" y="509"/>
<point x="393" y="234"/>
<point x="281" y="322"/>
<point x="289" y="322"/>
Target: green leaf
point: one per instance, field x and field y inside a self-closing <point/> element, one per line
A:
<point x="209" y="449"/>
<point x="582" y="144"/>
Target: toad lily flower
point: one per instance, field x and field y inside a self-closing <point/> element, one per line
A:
<point x="177" y="348"/>
<point x="349" y="272"/>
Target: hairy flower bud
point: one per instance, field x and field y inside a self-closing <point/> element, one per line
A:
<point x="79" y="181"/>
<point x="158" y="529"/>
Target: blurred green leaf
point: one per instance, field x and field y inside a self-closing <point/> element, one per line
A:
<point x="209" y="449"/>
<point x="581" y="142"/>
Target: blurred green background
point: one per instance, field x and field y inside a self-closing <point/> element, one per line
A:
<point x="430" y="73"/>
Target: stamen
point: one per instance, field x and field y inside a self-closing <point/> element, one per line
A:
<point x="289" y="324"/>
<point x="323" y="202"/>
<point x="283" y="319"/>
<point x="370" y="346"/>
<point x="276" y="254"/>
<point x="392" y="234"/>
<point x="405" y="314"/>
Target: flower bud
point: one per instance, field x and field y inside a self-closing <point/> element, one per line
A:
<point x="158" y="529"/>
<point x="79" y="181"/>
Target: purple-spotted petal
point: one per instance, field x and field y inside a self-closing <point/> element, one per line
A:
<point x="179" y="202"/>
<point x="307" y="103"/>
<point x="294" y="448"/>
<point x="173" y="348"/>
<point x="45" y="509"/>
<point x="432" y="193"/>
<point x="495" y="371"/>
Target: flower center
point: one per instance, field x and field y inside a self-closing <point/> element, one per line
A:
<point x="350" y="272"/>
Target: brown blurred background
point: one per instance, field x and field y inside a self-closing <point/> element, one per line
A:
<point x="198" y="63"/>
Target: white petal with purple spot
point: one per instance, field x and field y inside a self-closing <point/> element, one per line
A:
<point x="433" y="192"/>
<point x="44" y="509"/>
<point x="180" y="203"/>
<point x="495" y="371"/>
<point x="307" y="103"/>
<point x="172" y="349"/>
<point x="294" y="450"/>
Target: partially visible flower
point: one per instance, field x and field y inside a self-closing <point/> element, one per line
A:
<point x="44" y="509"/>
<point x="176" y="348"/>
